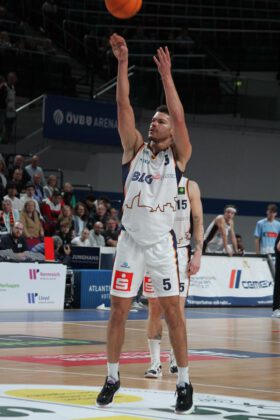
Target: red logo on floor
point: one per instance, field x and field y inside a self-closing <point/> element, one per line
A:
<point x="94" y="359"/>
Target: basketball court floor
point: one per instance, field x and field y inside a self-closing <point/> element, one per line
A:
<point x="52" y="365"/>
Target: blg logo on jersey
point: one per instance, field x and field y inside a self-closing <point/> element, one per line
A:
<point x="122" y="281"/>
<point x="137" y="176"/>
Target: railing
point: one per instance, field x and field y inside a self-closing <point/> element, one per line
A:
<point x="32" y="136"/>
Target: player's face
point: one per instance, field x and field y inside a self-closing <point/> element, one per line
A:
<point x="229" y="214"/>
<point x="160" y="128"/>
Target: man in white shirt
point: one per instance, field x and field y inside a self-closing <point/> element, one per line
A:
<point x="95" y="237"/>
<point x="11" y="195"/>
<point x="83" y="239"/>
<point x="33" y="169"/>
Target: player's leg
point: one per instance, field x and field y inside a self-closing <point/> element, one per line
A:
<point x="154" y="330"/>
<point x="126" y="279"/>
<point x="163" y="268"/>
<point x="154" y="338"/>
<point x="183" y="262"/>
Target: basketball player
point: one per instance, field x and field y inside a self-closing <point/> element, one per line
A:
<point x="220" y="232"/>
<point x="189" y="218"/>
<point x="151" y="173"/>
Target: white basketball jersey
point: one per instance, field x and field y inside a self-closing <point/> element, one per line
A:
<point x="150" y="187"/>
<point x="213" y="238"/>
<point x="182" y="224"/>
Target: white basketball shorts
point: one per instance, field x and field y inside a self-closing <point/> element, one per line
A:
<point x="183" y="260"/>
<point x="133" y="261"/>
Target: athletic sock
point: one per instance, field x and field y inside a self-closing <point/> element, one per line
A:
<point x="154" y="346"/>
<point x="113" y="371"/>
<point x="183" y="376"/>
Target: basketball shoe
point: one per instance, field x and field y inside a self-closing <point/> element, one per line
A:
<point x="184" y="402"/>
<point x="106" y="395"/>
<point x="155" y="371"/>
<point x="276" y="313"/>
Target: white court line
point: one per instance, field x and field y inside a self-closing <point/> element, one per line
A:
<point x="138" y="379"/>
<point x="189" y="334"/>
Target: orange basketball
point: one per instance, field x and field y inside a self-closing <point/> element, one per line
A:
<point x="123" y="9"/>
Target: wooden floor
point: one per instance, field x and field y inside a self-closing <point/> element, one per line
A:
<point x="241" y="347"/>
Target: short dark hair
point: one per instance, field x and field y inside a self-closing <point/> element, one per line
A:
<point x="56" y="192"/>
<point x="272" y="207"/>
<point x="230" y="206"/>
<point x="163" y="108"/>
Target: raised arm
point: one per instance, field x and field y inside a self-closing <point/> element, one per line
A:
<point x="176" y="111"/>
<point x="198" y="230"/>
<point x="130" y="137"/>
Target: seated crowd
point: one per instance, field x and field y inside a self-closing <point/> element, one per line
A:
<point x="36" y="207"/>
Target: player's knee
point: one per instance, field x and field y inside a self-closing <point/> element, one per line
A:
<point x="118" y="313"/>
<point x="173" y="316"/>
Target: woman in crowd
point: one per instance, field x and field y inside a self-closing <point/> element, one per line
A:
<point x="80" y="218"/>
<point x="32" y="227"/>
<point x="51" y="185"/>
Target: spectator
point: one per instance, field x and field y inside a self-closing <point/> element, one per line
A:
<point x="80" y="218"/>
<point x="18" y="163"/>
<point x="30" y="195"/>
<point x="3" y="95"/>
<point x="111" y="233"/>
<point x="49" y="11"/>
<point x="32" y="226"/>
<point x="67" y="216"/>
<point x="8" y="216"/>
<point x="3" y="173"/>
<point x="266" y="231"/>
<point x="11" y="195"/>
<point x="83" y="239"/>
<point x="220" y="232"/>
<point x="101" y="213"/>
<point x="114" y="214"/>
<point x="61" y="252"/>
<point x="91" y="210"/>
<point x="50" y="186"/>
<point x="33" y="169"/>
<point x="10" y="106"/>
<point x="65" y="232"/>
<point x="39" y="192"/>
<point x="51" y="209"/>
<point x="17" y="180"/>
<point x="14" y="240"/>
<point x="68" y="195"/>
<point x="95" y="237"/>
<point x="240" y="246"/>
<point x="276" y="291"/>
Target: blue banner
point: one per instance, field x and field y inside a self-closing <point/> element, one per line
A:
<point x="80" y="120"/>
<point x="94" y="287"/>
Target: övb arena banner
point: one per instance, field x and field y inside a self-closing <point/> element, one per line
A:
<point x="80" y="120"/>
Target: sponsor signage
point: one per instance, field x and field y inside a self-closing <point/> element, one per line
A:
<point x="235" y="281"/>
<point x="32" y="286"/>
<point x="14" y="341"/>
<point x="85" y="257"/>
<point x="92" y="287"/>
<point x="80" y="120"/>
<point x="78" y="403"/>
